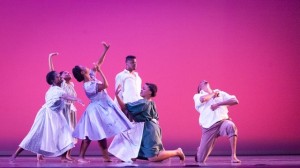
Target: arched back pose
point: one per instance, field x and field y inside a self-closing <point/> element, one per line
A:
<point x="102" y="118"/>
<point x="214" y="120"/>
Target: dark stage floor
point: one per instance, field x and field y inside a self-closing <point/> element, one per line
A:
<point x="213" y="161"/>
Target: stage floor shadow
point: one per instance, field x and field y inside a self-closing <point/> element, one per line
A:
<point x="213" y="161"/>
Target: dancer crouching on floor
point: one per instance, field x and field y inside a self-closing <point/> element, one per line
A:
<point x="214" y="120"/>
<point x="144" y="110"/>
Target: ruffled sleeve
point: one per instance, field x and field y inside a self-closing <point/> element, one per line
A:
<point x="90" y="88"/>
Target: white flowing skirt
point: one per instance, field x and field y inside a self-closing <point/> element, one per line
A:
<point x="126" y="145"/>
<point x="50" y="134"/>
<point x="101" y="119"/>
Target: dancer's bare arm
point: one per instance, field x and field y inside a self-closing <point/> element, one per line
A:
<point x="121" y="103"/>
<point x="51" y="66"/>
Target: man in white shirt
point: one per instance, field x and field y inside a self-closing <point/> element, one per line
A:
<point x="126" y="145"/>
<point x="214" y="120"/>
<point x="129" y="81"/>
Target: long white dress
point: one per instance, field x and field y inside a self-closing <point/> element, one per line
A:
<point x="102" y="117"/>
<point x="50" y="134"/>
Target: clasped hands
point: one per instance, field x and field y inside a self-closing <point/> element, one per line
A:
<point x="215" y="106"/>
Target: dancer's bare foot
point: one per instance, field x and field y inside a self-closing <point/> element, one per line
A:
<point x="82" y="160"/>
<point x="39" y="157"/>
<point x="107" y="159"/>
<point x="12" y="159"/>
<point x="70" y="158"/>
<point x="201" y="163"/>
<point x="66" y="159"/>
<point x="68" y="155"/>
<point x="234" y="159"/>
<point x="180" y="154"/>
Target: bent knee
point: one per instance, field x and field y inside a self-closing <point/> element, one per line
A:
<point x="228" y="128"/>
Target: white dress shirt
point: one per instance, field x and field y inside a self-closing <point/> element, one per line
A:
<point x="130" y="86"/>
<point x="208" y="117"/>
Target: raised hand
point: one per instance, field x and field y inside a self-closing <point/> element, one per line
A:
<point x="53" y="54"/>
<point x="120" y="102"/>
<point x="96" y="67"/>
<point x="106" y="46"/>
<point x="101" y="59"/>
<point x="50" y="62"/>
<point x="216" y="94"/>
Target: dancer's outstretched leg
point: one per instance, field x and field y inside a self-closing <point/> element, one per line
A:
<point x="16" y="154"/>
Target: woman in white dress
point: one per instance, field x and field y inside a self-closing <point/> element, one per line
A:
<point x="69" y="110"/>
<point x="50" y="134"/>
<point x="102" y="118"/>
<point x="68" y="86"/>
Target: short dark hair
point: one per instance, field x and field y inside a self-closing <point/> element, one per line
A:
<point x="130" y="57"/>
<point x="153" y="89"/>
<point x="50" y="77"/>
<point x="77" y="73"/>
<point x="61" y="72"/>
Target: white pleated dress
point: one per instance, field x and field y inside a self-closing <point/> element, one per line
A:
<point x="102" y="117"/>
<point x="50" y="134"/>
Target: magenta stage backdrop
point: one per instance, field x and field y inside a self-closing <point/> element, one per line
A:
<point x="249" y="48"/>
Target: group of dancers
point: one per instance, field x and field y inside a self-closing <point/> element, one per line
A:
<point x="131" y="119"/>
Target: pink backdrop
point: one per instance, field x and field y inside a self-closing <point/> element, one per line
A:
<point x="247" y="48"/>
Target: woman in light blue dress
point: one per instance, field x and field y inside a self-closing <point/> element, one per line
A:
<point x="102" y="118"/>
<point x="50" y="134"/>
